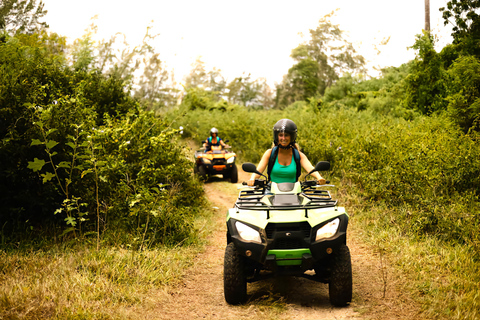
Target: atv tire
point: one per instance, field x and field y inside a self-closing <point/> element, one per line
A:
<point x="234" y="278"/>
<point x="340" y="285"/>
<point x="234" y="174"/>
<point x="202" y="172"/>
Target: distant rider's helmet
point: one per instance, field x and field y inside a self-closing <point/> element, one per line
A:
<point x="288" y="126"/>
<point x="212" y="131"/>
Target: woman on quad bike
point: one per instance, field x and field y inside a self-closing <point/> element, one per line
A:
<point x="214" y="140"/>
<point x="284" y="160"/>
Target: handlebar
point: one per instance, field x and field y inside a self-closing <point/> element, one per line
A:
<point x="313" y="183"/>
<point x="258" y="183"/>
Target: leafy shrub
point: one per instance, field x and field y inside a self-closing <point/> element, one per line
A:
<point x="75" y="144"/>
<point x="424" y="86"/>
<point x="464" y="92"/>
<point x="425" y="167"/>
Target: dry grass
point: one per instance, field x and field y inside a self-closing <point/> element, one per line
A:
<point x="443" y="278"/>
<point x="85" y="284"/>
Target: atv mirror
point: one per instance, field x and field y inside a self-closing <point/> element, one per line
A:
<point x="321" y="166"/>
<point x="249" y="167"/>
<point x="226" y="140"/>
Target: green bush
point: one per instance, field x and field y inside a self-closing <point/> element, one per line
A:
<point x="464" y="92"/>
<point x="81" y="155"/>
<point x="424" y="167"/>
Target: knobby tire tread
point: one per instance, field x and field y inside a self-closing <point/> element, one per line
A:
<point x="234" y="279"/>
<point x="340" y="286"/>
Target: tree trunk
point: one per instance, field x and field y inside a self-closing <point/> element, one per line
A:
<point x="427" y="15"/>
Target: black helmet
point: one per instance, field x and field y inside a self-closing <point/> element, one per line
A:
<point x="213" y="130"/>
<point x="285" y="125"/>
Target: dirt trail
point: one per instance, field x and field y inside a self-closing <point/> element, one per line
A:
<point x="201" y="293"/>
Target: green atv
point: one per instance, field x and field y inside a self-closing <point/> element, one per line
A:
<point x="287" y="229"/>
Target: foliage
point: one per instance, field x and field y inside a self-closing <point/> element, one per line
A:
<point x="424" y="86"/>
<point x="241" y="90"/>
<point x="22" y="16"/>
<point x="122" y="62"/>
<point x="464" y="92"/>
<point x="77" y="145"/>
<point x="423" y="166"/>
<point x="319" y="63"/>
<point x="197" y="98"/>
<point x="466" y="24"/>
<point x="245" y="92"/>
<point x="381" y="96"/>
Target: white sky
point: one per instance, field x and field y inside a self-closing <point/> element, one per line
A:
<point x="251" y="36"/>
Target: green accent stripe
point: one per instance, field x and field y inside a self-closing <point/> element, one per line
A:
<point x="292" y="257"/>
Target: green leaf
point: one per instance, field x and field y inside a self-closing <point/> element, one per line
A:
<point x="71" y="221"/>
<point x="67" y="231"/>
<point x="132" y="203"/>
<point x="71" y="145"/>
<point x="51" y="130"/>
<point x="39" y="123"/>
<point x="47" y="176"/>
<point x="36" y="165"/>
<point x="84" y="173"/>
<point x="51" y="144"/>
<point x="101" y="163"/>
<point x="36" y="142"/>
<point x="63" y="164"/>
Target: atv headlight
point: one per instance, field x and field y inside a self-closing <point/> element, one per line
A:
<point x="231" y="160"/>
<point x="206" y="161"/>
<point x="328" y="230"/>
<point x="247" y="233"/>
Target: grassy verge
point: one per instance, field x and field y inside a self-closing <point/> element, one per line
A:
<point x="444" y="278"/>
<point x="85" y="283"/>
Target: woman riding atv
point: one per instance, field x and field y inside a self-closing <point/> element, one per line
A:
<point x="213" y="140"/>
<point x="284" y="160"/>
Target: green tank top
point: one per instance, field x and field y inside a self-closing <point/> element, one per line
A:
<point x="281" y="173"/>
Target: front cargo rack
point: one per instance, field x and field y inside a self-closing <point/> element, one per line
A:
<point x="251" y="200"/>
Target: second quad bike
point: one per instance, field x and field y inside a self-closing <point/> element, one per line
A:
<point x="217" y="161"/>
<point x="294" y="229"/>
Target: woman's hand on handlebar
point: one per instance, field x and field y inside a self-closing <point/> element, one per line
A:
<point x="321" y="181"/>
<point x="251" y="182"/>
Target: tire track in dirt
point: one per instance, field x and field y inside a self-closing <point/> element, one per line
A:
<point x="200" y="295"/>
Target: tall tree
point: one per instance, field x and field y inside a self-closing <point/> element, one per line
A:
<point x="244" y="91"/>
<point x="427" y="15"/>
<point x="466" y="24"/>
<point x="212" y="80"/>
<point x="319" y="63"/>
<point x="198" y="76"/>
<point x="22" y="16"/>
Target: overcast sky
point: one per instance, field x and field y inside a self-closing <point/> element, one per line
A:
<point x="251" y="36"/>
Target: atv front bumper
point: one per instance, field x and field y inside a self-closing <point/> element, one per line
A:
<point x="289" y="248"/>
<point x="213" y="169"/>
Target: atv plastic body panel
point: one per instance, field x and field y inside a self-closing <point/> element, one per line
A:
<point x="287" y="222"/>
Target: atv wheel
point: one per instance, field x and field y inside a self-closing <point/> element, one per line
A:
<point x="234" y="279"/>
<point x="202" y="172"/>
<point x="340" y="286"/>
<point x="234" y="174"/>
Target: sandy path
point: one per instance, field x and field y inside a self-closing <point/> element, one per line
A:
<point x="200" y="296"/>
